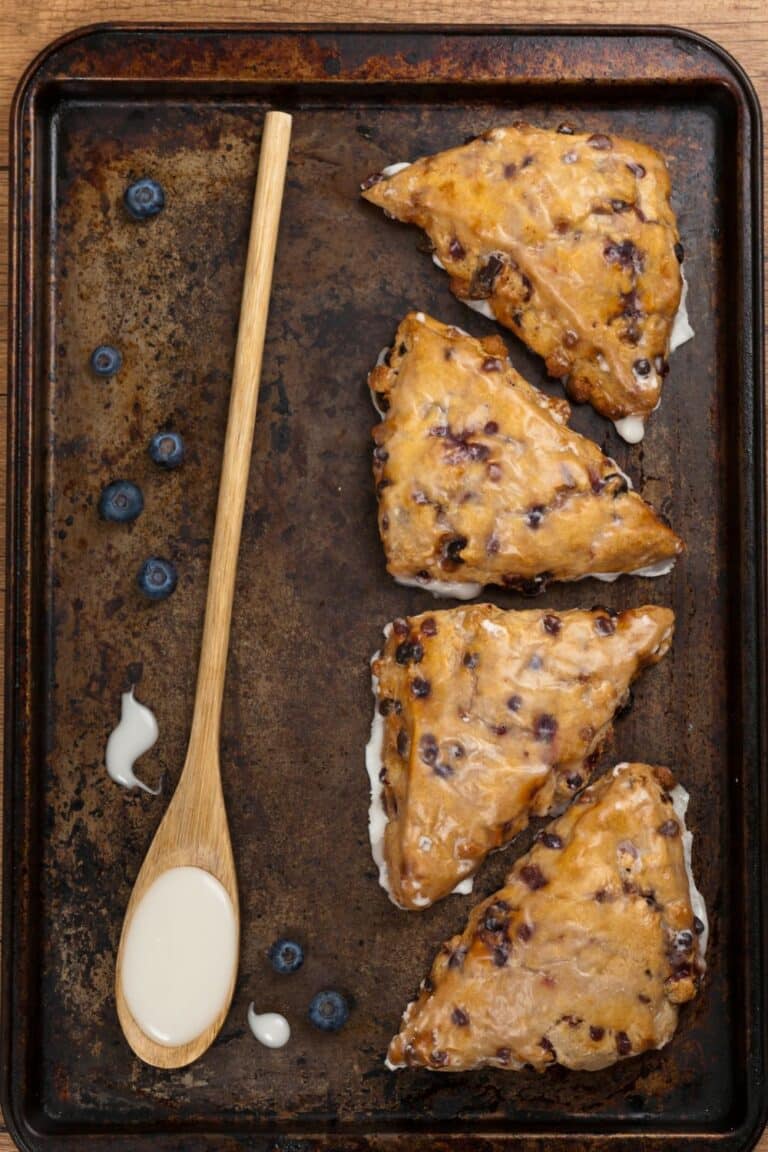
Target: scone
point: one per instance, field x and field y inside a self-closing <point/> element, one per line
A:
<point x="585" y="955"/>
<point x="481" y="481"/>
<point x="568" y="239"/>
<point x="485" y="718"/>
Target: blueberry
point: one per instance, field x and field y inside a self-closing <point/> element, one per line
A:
<point x="286" y="956"/>
<point x="157" y="578"/>
<point x="145" y="198"/>
<point x="121" y="501"/>
<point x="106" y="360"/>
<point x="329" y="1011"/>
<point x="167" y="449"/>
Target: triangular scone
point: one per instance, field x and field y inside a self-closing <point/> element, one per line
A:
<point x="584" y="956"/>
<point x="485" y="718"/>
<point x="569" y="240"/>
<point x="481" y="481"/>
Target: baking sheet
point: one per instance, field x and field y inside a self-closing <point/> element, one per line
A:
<point x="186" y="107"/>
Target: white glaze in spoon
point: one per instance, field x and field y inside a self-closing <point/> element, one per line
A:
<point x="134" y="735"/>
<point x="270" y="1028"/>
<point x="179" y="953"/>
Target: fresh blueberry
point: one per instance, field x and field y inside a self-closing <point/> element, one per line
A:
<point x="167" y="449"/>
<point x="121" y="501"/>
<point x="157" y="578"/>
<point x="286" y="956"/>
<point x="145" y="198"/>
<point x="106" y="360"/>
<point x="329" y="1011"/>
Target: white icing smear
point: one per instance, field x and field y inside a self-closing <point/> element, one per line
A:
<point x="270" y="1028"/>
<point x="136" y="733"/>
<point x="447" y="588"/>
<point x="682" y="331"/>
<point x="180" y="956"/>
<point x="630" y="428"/>
<point x="662" y="568"/>
<point x="377" y="817"/>
<point x="393" y="169"/>
<point x="482" y="306"/>
<point x="680" y="799"/>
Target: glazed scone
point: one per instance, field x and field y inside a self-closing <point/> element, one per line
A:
<point x="485" y="718"/>
<point x="481" y="481"/>
<point x="585" y="955"/>
<point x="569" y="240"/>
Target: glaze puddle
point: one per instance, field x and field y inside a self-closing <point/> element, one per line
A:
<point x="136" y="733"/>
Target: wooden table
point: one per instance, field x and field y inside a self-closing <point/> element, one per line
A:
<point x="741" y="26"/>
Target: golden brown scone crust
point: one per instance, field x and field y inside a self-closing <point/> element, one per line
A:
<point x="571" y="239"/>
<point x="490" y="717"/>
<point x="480" y="480"/>
<point x="583" y="957"/>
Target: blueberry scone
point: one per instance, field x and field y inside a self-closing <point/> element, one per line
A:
<point x="585" y="955"/>
<point x="481" y="481"/>
<point x="569" y="240"/>
<point x="485" y="718"/>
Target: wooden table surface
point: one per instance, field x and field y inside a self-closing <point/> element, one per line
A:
<point x="740" y="26"/>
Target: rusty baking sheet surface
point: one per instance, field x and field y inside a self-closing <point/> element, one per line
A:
<point x="186" y="106"/>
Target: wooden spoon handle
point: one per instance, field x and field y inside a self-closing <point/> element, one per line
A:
<point x="240" y="428"/>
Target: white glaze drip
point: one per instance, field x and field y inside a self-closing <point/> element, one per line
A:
<point x="484" y="307"/>
<point x="445" y="588"/>
<point x="680" y="800"/>
<point x="136" y="733"/>
<point x="374" y="762"/>
<point x="682" y="331"/>
<point x="630" y="428"/>
<point x="662" y="568"/>
<point x="180" y="956"/>
<point x="270" y="1028"/>
<point x="393" y="169"/>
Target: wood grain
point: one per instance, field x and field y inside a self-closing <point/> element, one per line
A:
<point x="740" y="26"/>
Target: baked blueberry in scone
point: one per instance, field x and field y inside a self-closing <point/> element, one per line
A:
<point x="481" y="481"/>
<point x="485" y="718"/>
<point x="585" y="954"/>
<point x="568" y="239"/>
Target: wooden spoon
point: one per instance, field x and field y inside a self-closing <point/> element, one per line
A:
<point x="194" y="830"/>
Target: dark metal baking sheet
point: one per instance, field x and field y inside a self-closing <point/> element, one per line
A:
<point x="185" y="106"/>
